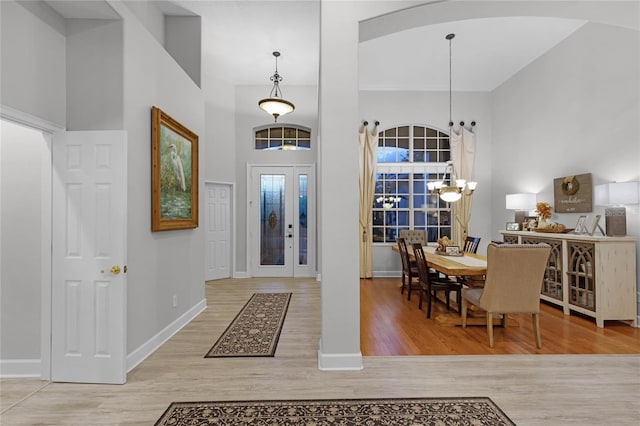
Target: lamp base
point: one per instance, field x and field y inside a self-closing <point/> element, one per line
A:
<point x="616" y="221"/>
<point x="519" y="217"/>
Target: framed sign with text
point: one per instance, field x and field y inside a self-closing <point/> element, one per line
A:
<point x="573" y="194"/>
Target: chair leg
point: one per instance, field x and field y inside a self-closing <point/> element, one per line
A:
<point x="448" y="294"/>
<point x="409" y="285"/>
<point x="505" y="320"/>
<point x="463" y="312"/>
<point x="402" y="288"/>
<point x="429" y="296"/>
<point x="536" y="329"/>
<point x="490" y="327"/>
<point x="420" y="291"/>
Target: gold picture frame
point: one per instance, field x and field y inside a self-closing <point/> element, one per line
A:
<point x="174" y="174"/>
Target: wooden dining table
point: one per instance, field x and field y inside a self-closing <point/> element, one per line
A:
<point x="470" y="264"/>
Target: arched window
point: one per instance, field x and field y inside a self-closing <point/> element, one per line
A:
<point x="279" y="137"/>
<point x="408" y="157"/>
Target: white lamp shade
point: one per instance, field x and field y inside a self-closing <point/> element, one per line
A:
<point x="523" y="201"/>
<point x="276" y="106"/>
<point x="616" y="193"/>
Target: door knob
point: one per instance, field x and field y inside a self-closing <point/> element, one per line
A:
<point x="115" y="270"/>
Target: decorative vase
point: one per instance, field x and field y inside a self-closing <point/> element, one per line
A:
<point x="542" y="223"/>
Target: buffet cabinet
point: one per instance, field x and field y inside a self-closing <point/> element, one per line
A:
<point x="593" y="275"/>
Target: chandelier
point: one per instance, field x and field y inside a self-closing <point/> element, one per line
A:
<point x="275" y="104"/>
<point x="456" y="187"/>
<point x="388" y="202"/>
<point x="454" y="190"/>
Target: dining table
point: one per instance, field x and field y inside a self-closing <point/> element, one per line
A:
<point x="467" y="265"/>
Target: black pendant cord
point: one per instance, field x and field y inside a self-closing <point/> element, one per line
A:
<point x="450" y="37"/>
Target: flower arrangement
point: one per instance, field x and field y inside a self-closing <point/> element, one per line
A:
<point x="543" y="210"/>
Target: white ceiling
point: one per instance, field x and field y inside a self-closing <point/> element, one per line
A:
<point x="484" y="53"/>
<point x="238" y="38"/>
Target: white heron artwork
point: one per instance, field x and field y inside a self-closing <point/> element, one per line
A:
<point x="178" y="170"/>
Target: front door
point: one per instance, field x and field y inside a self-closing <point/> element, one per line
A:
<point x="282" y="221"/>
<point x="88" y="342"/>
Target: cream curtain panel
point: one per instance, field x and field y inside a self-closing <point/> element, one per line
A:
<point x="463" y="152"/>
<point x="368" y="142"/>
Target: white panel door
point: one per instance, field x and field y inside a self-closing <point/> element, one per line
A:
<point x="89" y="208"/>
<point x="282" y="221"/>
<point x="218" y="231"/>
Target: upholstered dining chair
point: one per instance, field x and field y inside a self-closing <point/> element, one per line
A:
<point x="413" y="236"/>
<point x="512" y="285"/>
<point x="431" y="285"/>
<point x="409" y="269"/>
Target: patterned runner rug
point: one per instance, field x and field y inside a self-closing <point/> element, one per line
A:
<point x="256" y="329"/>
<point x="392" y="412"/>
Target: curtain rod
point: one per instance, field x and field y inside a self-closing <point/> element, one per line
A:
<point x="473" y="123"/>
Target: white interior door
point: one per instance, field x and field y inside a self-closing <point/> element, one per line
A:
<point x="89" y="257"/>
<point x="218" y="231"/>
<point x="282" y="221"/>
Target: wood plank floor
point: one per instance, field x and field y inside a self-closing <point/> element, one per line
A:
<point x="532" y="389"/>
<point x="392" y="325"/>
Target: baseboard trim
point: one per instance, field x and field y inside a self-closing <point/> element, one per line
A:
<point x="240" y="274"/>
<point x="18" y="368"/>
<point x="387" y="274"/>
<point x="339" y="362"/>
<point x="151" y="345"/>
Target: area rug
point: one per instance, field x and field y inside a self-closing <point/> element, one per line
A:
<point x="255" y="330"/>
<point x="393" y="412"/>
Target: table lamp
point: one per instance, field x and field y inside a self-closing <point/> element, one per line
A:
<point x="522" y="204"/>
<point x="618" y="195"/>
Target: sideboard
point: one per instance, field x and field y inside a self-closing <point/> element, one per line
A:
<point x="593" y="275"/>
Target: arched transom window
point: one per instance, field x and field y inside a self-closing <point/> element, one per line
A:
<point x="280" y="137"/>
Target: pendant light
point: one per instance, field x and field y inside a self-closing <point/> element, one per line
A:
<point x="456" y="187"/>
<point x="275" y="104"/>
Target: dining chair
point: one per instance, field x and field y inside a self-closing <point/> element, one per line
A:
<point x="409" y="269"/>
<point x="431" y="285"/>
<point x="471" y="244"/>
<point x="513" y="282"/>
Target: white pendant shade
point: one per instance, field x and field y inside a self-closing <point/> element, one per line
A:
<point x="276" y="106"/>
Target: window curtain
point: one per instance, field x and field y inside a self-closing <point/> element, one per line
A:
<point x="463" y="151"/>
<point x="368" y="143"/>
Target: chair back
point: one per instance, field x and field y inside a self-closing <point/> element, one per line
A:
<point x="412" y="236"/>
<point x="471" y="244"/>
<point x="514" y="277"/>
<point x="421" y="263"/>
<point x="404" y="254"/>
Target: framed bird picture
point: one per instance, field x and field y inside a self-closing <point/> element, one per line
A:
<point x="174" y="174"/>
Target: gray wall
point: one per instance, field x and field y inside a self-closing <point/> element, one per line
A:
<point x="94" y="74"/>
<point x="22" y="151"/>
<point x="574" y="110"/>
<point x="33" y="61"/>
<point x="161" y="264"/>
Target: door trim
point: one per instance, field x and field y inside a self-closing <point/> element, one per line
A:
<point x="232" y="221"/>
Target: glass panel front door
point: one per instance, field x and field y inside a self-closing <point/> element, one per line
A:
<point x="272" y="226"/>
<point x="282" y="221"/>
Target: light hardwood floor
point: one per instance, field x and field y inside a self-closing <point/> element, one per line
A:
<point x="531" y="389"/>
<point x="393" y="325"/>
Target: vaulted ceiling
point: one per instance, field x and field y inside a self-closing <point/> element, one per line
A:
<point x="238" y="38"/>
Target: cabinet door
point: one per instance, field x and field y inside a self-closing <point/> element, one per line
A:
<point x="581" y="274"/>
<point x="552" y="282"/>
